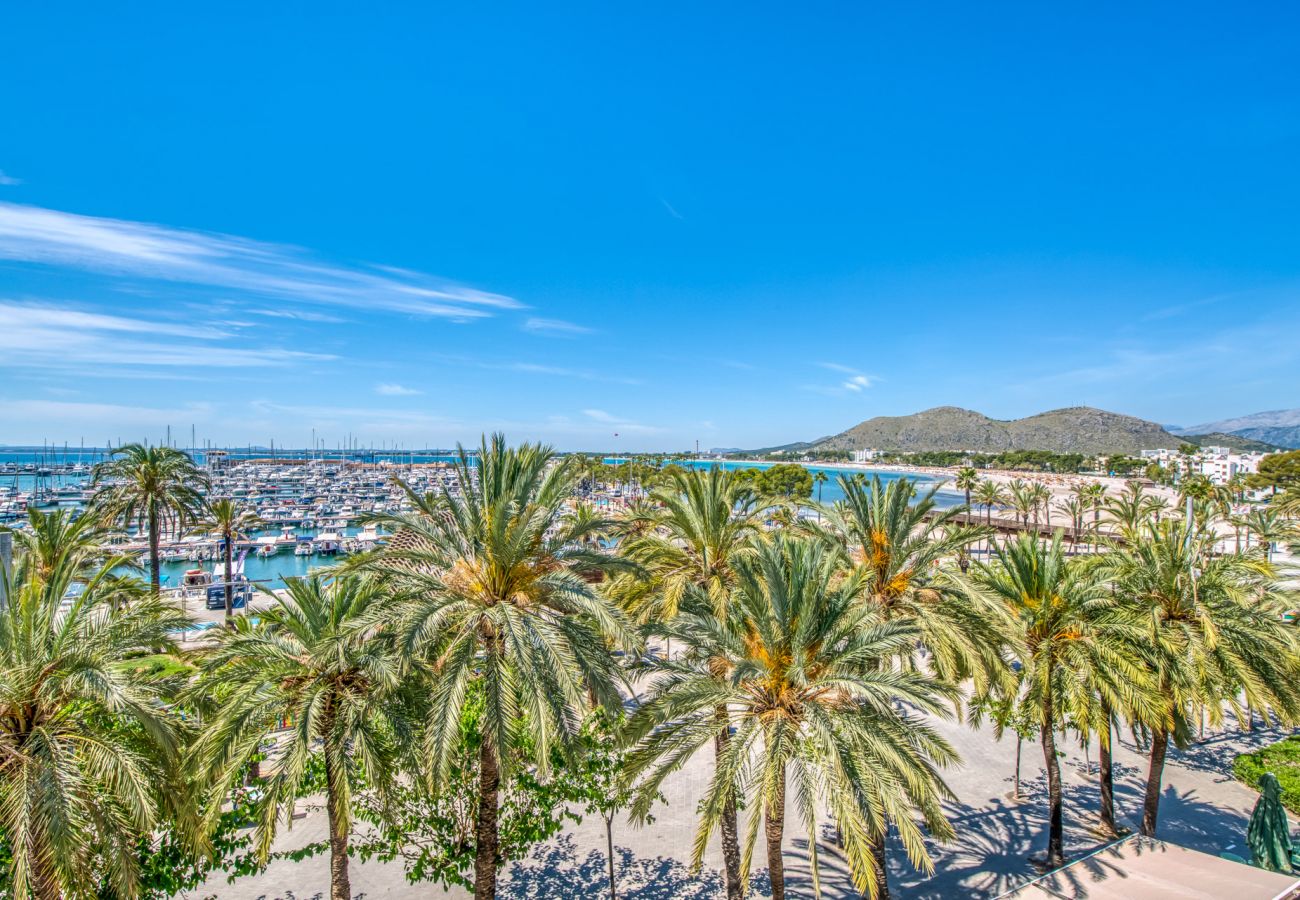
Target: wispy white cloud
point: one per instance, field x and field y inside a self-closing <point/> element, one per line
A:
<point x="300" y="315"/>
<point x="147" y="251"/>
<point x="671" y="211"/>
<point x="8" y="180"/>
<point x="855" y="383"/>
<point x="619" y="424"/>
<point x="555" y="327"/>
<point x="60" y="337"/>
<point x="396" y="390"/>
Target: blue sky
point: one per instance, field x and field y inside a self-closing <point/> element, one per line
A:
<point x="741" y="224"/>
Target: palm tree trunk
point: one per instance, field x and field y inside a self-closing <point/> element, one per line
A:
<point x="774" y="827"/>
<point x="880" y="862"/>
<point x="1151" y="804"/>
<point x="230" y="588"/>
<point x="1107" y="777"/>
<point x="729" y="827"/>
<point x="340" y="883"/>
<point x="1055" y="826"/>
<point x="485" y="830"/>
<point x="155" y="573"/>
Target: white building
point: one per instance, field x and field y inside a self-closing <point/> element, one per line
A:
<point x="1219" y="464"/>
<point x="865" y="456"/>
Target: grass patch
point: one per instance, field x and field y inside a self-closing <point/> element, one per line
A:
<point x="158" y="665"/>
<point x="1283" y="760"/>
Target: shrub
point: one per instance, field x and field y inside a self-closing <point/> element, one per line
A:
<point x="1283" y="760"/>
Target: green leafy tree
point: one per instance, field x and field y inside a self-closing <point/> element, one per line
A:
<point x="787" y="480"/>
<point x="1277" y="471"/>
<point x="155" y="488"/>
<point x="312" y="660"/>
<point x="813" y="685"/>
<point x="497" y="586"/>
<point x="433" y="831"/>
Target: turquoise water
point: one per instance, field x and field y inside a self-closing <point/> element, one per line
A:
<point x="265" y="572"/>
<point x="830" y="490"/>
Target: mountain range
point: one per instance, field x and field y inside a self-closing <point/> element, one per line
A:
<point x="1280" y="427"/>
<point x="1077" y="429"/>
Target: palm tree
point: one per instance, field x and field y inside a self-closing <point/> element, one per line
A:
<point x="814" y="684"/>
<point x="233" y="522"/>
<point x="1059" y="616"/>
<point x="500" y="588"/>
<point x="1213" y="630"/>
<point x="1132" y="510"/>
<point x="151" y="487"/>
<point x="1269" y="527"/>
<point x="313" y="658"/>
<point x="689" y="562"/>
<point x="58" y="539"/>
<point x="1041" y="497"/>
<point x="967" y="480"/>
<point x="903" y="552"/>
<point x="1094" y="495"/>
<point x="1073" y="506"/>
<point x="988" y="493"/>
<point x="1021" y="499"/>
<point x="819" y="478"/>
<point x="87" y="751"/>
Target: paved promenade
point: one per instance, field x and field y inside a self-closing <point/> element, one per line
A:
<point x="1203" y="808"/>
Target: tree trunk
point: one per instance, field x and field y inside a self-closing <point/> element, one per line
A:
<point x="609" y="845"/>
<point x="774" y="828"/>
<point x="155" y="571"/>
<point x="1055" y="828"/>
<point x="230" y="588"/>
<point x="880" y="862"/>
<point x="1107" y="777"/>
<point x="340" y="883"/>
<point x="1151" y="804"/>
<point x="485" y="831"/>
<point x="729" y="827"/>
<point x="1015" y="792"/>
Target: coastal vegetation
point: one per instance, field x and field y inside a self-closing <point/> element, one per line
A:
<point x="466" y="688"/>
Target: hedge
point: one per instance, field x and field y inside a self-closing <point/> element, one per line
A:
<point x="1283" y="760"/>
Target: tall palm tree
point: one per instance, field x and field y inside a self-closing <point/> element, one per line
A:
<point x="1213" y="631"/>
<point x="499" y="587"/>
<point x="313" y="658"/>
<point x="1059" y="615"/>
<point x="86" y="748"/>
<point x="1021" y="499"/>
<point x="1094" y="495"/>
<point x="689" y="562"/>
<point x="903" y="552"/>
<point x="819" y="478"/>
<point x="988" y="494"/>
<point x="1041" y="498"/>
<point x="232" y="522"/>
<point x="813" y="683"/>
<point x="155" y="488"/>
<point x="1074" y="507"/>
<point x="967" y="480"/>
